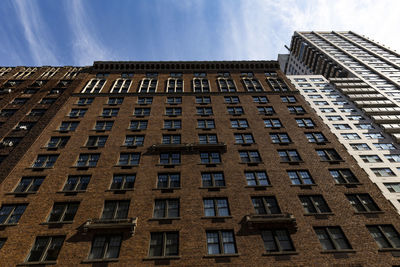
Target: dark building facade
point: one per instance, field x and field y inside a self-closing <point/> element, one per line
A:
<point x="187" y="164"/>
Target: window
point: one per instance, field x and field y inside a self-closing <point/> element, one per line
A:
<point x="210" y="158"/>
<point x="123" y="181"/>
<point x="212" y="179"/>
<point x="250" y="156"/>
<point x="350" y="136"/>
<point x="203" y="100"/>
<point x="256" y="178"/>
<point x="94" y="86"/>
<point x="280" y="138"/>
<point x="10" y="214"/>
<point x="170" y="158"/>
<point x="277" y="240"/>
<point x="360" y="146"/>
<point x="320" y="103"/>
<point x="300" y="177"/>
<point x="231" y="99"/>
<point x="364" y="126"/>
<point x="334" y="118"/>
<point x="110" y="112"/>
<point x="208" y="139"/>
<point x="87" y="160"/>
<point x="46" y="248"/>
<point x="220" y="242"/>
<point x="328" y="154"/>
<point x="142" y="112"/>
<point x="77" y="112"/>
<point x="105" y="247"/>
<point x="260" y="99"/>
<point x="384" y="146"/>
<point x="168" y="180"/>
<point x="314" y="204"/>
<point x="252" y="84"/>
<point x="138" y="125"/>
<point x="288" y="99"/>
<point x="57" y="142"/>
<point x="343" y="176"/>
<point x="103" y="125"/>
<point x="166" y="208"/>
<point x="201" y="85"/>
<point x="76" y="183"/>
<point x="296" y="110"/>
<point x="289" y="155"/>
<point x="172" y="124"/>
<point x="47" y="101"/>
<point x="45" y="161"/>
<point x="173" y="100"/>
<point x="316" y="97"/>
<point x="347" y="110"/>
<point x="171" y="139"/>
<point x="148" y="84"/>
<point x="383" y="172"/>
<point x="355" y="117"/>
<point x="29" y="185"/>
<point x="115" y="209"/>
<point x="332" y="238"/>
<point x="121" y="86"/>
<point x="19" y="100"/>
<point x="174" y="85"/>
<point x="239" y="123"/>
<point x="205" y="124"/>
<point x="24" y="125"/>
<point x="342" y="126"/>
<point x="134" y="140"/>
<point x="173" y="111"/>
<point x="385" y="236"/>
<point x="7" y="112"/>
<point x="226" y="85"/>
<point x="37" y="112"/>
<point x="126" y="159"/>
<point x="85" y="101"/>
<point x="316" y="137"/>
<point x="371" y="158"/>
<point x="305" y="123"/>
<point x="63" y="212"/>
<point x="96" y="141"/>
<point x="327" y="110"/>
<point x="272" y="123"/>
<point x="163" y="244"/>
<point x="266" y="110"/>
<point x="216" y="207"/>
<point x="362" y="202"/>
<point x="277" y="85"/>
<point x="245" y="138"/>
<point x="265" y="205"/>
<point x="393" y="157"/>
<point x="115" y="100"/>
<point x="204" y="111"/>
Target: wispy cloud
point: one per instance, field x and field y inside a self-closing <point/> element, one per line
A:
<point x="35" y="32"/>
<point x="87" y="46"/>
<point x="260" y="29"/>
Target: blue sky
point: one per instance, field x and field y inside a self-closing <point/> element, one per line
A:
<point x="77" y="32"/>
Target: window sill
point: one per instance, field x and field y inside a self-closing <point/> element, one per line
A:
<point x="71" y="192"/>
<point x="169" y="129"/>
<point x="304" y="186"/>
<point x="56" y="223"/>
<point x="205" y="129"/>
<point x="126" y="166"/>
<point x="204" y="115"/>
<point x="39" y="168"/>
<point x="240" y="128"/>
<point x="252" y="163"/>
<point x="131" y="146"/>
<point x="7" y="224"/>
<point x="222" y="218"/>
<point x="349" y="185"/>
<point x="221" y="255"/>
<point x="258" y="187"/>
<point x="168" y="165"/>
<point x="165" y="219"/>
<point x="166" y="190"/>
<point x="135" y="130"/>
<point x="162" y="258"/>
<point x="210" y="164"/>
<point x="319" y="215"/>
<point x="20" y="193"/>
<point x="117" y="191"/>
<point x="388" y="249"/>
<point x="333" y="161"/>
<point x="216" y="188"/>
<point x="245" y="144"/>
<point x="83" y="167"/>
<point x="338" y="251"/>
<point x="369" y="212"/>
<point x="293" y="162"/>
<point x="37" y="263"/>
<point x="235" y="114"/>
<point x="280" y="253"/>
<point x="171" y="115"/>
<point x="99" y="260"/>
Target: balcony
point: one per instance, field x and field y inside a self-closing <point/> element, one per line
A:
<point x="188" y="147"/>
<point x="102" y="224"/>
<point x="270" y="221"/>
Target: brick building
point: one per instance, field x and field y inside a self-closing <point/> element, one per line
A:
<point x="187" y="164"/>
